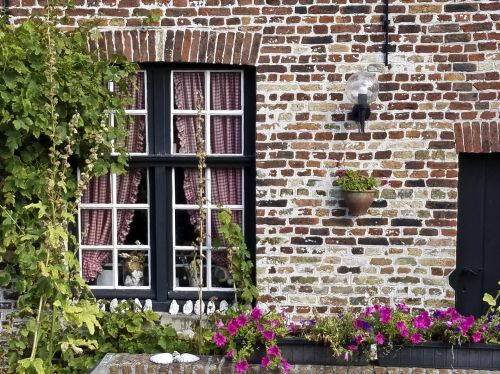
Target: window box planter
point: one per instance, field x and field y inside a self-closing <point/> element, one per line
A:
<point x="440" y="355"/>
<point x="301" y="351"/>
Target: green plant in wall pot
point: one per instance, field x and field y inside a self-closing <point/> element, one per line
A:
<point x="358" y="189"/>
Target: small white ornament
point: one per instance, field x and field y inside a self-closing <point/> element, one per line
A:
<point x="210" y="308"/>
<point x="223" y="306"/>
<point x="188" y="307"/>
<point x="162" y="358"/>
<point x="199" y="308"/>
<point x="148" y="305"/>
<point x="102" y="305"/>
<point x="137" y="305"/>
<point x="174" y="308"/>
<point x="126" y="306"/>
<point x="185" y="358"/>
<point x="112" y="305"/>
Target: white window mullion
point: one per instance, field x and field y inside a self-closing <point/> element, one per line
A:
<point x="208" y="253"/>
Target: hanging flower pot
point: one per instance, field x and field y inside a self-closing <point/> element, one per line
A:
<point x="358" y="202"/>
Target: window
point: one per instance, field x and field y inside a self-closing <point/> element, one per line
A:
<point x="137" y="231"/>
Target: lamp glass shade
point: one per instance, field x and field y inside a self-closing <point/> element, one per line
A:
<point x="362" y="83"/>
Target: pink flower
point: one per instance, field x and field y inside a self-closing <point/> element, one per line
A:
<point x="230" y="354"/>
<point x="385" y="314"/>
<point x="256" y="314"/>
<point x="466" y="324"/>
<point x="268" y="335"/>
<point x="403" y="307"/>
<point x="260" y="327"/>
<point x="220" y="324"/>
<point x="403" y="330"/>
<point x="274" y="323"/>
<point x="352" y="347"/>
<point x="379" y="339"/>
<point x="286" y="366"/>
<point x="476" y="337"/>
<point x="241" y="366"/>
<point x="232" y="327"/>
<point x="423" y="321"/>
<point x="416" y="338"/>
<point x="219" y="339"/>
<point x="369" y="311"/>
<point x="292" y="327"/>
<point x="274" y="351"/>
<point x="359" y="339"/>
<point x="265" y="362"/>
<point x="241" y="320"/>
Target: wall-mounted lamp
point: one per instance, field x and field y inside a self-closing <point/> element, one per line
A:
<point x="361" y="90"/>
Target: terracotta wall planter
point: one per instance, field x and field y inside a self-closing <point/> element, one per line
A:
<point x="358" y="202"/>
<point x="439" y="355"/>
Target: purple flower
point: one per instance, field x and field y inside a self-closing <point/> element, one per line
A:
<point x="292" y="327"/>
<point x="256" y="314"/>
<point x="286" y="366"/>
<point x="265" y="362"/>
<point x="369" y="311"/>
<point x="416" y="338"/>
<point x="403" y="307"/>
<point x="241" y="366"/>
<point x="466" y="324"/>
<point x="437" y="314"/>
<point x="230" y="354"/>
<point x="454" y="315"/>
<point x="423" y="321"/>
<point x="274" y="351"/>
<point x="274" y="323"/>
<point x="219" y="339"/>
<point x="232" y="327"/>
<point x="361" y="325"/>
<point x="476" y="337"/>
<point x="403" y="330"/>
<point x="352" y="347"/>
<point x="241" y="320"/>
<point x="498" y="327"/>
<point x="220" y="324"/>
<point x="268" y="335"/>
<point x="379" y="339"/>
<point x="260" y="327"/>
<point x="385" y="314"/>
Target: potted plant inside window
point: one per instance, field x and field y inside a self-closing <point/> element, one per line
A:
<point x="358" y="190"/>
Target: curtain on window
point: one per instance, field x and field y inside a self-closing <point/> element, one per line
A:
<point x="225" y="134"/>
<point x="97" y="225"/>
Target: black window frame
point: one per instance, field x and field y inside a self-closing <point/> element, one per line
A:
<point x="160" y="162"/>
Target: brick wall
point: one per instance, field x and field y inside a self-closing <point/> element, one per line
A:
<point x="443" y="80"/>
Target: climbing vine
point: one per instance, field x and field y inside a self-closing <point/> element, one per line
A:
<point x="54" y="118"/>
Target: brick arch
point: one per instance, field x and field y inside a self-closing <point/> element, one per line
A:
<point x="181" y="45"/>
<point x="477" y="137"/>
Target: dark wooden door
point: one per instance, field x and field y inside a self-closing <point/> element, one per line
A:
<point x="478" y="237"/>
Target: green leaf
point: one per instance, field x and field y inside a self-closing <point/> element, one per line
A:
<point x="490" y="300"/>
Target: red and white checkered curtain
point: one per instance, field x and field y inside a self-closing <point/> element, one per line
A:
<point x="97" y="223"/>
<point x="225" y="133"/>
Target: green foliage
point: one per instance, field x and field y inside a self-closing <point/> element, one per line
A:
<point x="54" y="116"/>
<point x="337" y="332"/>
<point x="354" y="180"/>
<point x="239" y="256"/>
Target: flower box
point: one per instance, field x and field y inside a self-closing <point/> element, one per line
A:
<point x="440" y="355"/>
<point x="299" y="351"/>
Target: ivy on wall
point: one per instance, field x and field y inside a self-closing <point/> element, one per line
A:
<point x="54" y="118"/>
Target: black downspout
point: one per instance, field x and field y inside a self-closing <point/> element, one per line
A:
<point x="386" y="31"/>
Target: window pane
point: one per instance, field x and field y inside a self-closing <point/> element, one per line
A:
<point x="134" y="269"/>
<point x="98" y="191"/>
<point x="132" y="187"/>
<point x="217" y="238"/>
<point x="225" y="135"/>
<point x="186" y="227"/>
<point x="137" y="88"/>
<point x="97" y="267"/>
<point x="188" y="86"/>
<point x="96" y="226"/>
<point x="135" y="141"/>
<point x="186" y="185"/>
<point x="221" y="276"/>
<point x="185" y="133"/>
<point x="225" y="90"/>
<point x="132" y="226"/>
<point x="226" y="186"/>
<point x="184" y="275"/>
